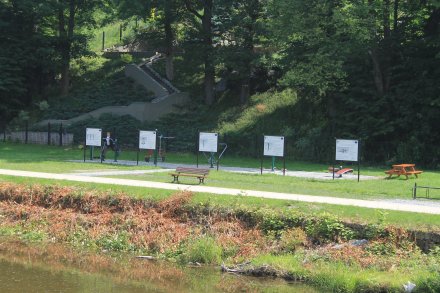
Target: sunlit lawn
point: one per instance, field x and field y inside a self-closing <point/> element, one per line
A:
<point x="54" y="160"/>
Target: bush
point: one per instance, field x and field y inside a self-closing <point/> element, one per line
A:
<point x="328" y="228"/>
<point x="126" y="58"/>
<point x="292" y="239"/>
<point x="203" y="250"/>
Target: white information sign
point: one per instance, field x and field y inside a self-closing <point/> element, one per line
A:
<point x="347" y="150"/>
<point x="93" y="136"/>
<point x="208" y="142"/>
<point x="147" y="140"/>
<point x="274" y="146"/>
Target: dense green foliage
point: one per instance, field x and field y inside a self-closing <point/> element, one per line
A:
<point x="350" y="69"/>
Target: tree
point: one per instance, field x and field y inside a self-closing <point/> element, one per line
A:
<point x="207" y="7"/>
<point x="165" y="14"/>
<point x="238" y="29"/>
<point x="27" y="57"/>
<point x="73" y="17"/>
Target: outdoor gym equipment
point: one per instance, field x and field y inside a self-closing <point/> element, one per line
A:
<point x="110" y="143"/>
<point x="148" y="141"/>
<point x="211" y="158"/>
<point x="208" y="144"/>
<point x="347" y="150"/>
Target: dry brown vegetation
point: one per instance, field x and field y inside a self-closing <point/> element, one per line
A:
<point x="119" y="222"/>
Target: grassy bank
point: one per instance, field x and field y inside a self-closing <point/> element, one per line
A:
<point x="317" y="249"/>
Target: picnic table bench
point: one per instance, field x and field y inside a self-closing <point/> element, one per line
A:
<point x="403" y="169"/>
<point x="199" y="173"/>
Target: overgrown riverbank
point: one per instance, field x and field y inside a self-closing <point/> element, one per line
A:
<point x="319" y="250"/>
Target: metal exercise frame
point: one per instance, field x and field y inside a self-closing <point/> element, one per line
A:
<point x="426" y="191"/>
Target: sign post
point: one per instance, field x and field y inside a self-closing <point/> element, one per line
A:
<point x="208" y="142"/>
<point x="347" y="150"/>
<point x="93" y="138"/>
<point x="274" y="147"/>
<point x="147" y="141"/>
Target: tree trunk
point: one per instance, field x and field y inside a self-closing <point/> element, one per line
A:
<point x="169" y="53"/>
<point x="66" y="44"/>
<point x="387" y="48"/>
<point x="377" y="72"/>
<point x="386" y="19"/>
<point x="244" y="93"/>
<point x="253" y="12"/>
<point x="208" y="56"/>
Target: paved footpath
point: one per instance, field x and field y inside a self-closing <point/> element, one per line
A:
<point x="418" y="206"/>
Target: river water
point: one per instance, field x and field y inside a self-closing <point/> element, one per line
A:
<point x="48" y="269"/>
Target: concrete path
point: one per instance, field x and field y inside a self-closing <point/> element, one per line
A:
<point x="411" y="206"/>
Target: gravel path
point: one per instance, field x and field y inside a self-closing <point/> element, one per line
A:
<point x="418" y="206"/>
<point x="165" y="165"/>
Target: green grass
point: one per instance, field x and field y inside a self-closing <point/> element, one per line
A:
<point x="341" y="277"/>
<point x="53" y="159"/>
<point x="112" y="37"/>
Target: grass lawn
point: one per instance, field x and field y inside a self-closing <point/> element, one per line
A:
<point x="53" y="159"/>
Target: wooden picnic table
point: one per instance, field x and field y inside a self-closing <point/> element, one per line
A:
<point x="403" y="169"/>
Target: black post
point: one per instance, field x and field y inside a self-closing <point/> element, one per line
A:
<point x="218" y="158"/>
<point x="26" y="132"/>
<point x="136" y="23"/>
<point x="261" y="154"/>
<point x="48" y="133"/>
<point x="155" y="152"/>
<point x="359" y="159"/>
<point x="334" y="161"/>
<point x="85" y="146"/>
<point x="415" y="191"/>
<point x="103" y="41"/>
<point x="120" y="32"/>
<point x="197" y="147"/>
<point x="137" y="157"/>
<point x="284" y="157"/>
<point x="61" y="134"/>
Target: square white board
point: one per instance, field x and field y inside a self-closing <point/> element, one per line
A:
<point x="147" y="140"/>
<point x="93" y="136"/>
<point x="274" y="146"/>
<point x="347" y="150"/>
<point x="208" y="142"/>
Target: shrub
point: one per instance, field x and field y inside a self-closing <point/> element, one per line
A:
<point x="126" y="58"/>
<point x="203" y="250"/>
<point x="292" y="239"/>
<point x="328" y="228"/>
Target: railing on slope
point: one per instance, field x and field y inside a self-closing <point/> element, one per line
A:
<point x="163" y="82"/>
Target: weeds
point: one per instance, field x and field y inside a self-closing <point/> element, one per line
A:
<point x="204" y="233"/>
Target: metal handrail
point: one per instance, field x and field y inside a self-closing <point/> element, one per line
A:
<point x="425" y="187"/>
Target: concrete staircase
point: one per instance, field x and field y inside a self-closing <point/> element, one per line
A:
<point x="167" y="97"/>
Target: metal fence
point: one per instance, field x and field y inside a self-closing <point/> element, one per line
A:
<point x="33" y="137"/>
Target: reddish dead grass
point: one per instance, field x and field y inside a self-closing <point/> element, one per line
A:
<point x="149" y="226"/>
